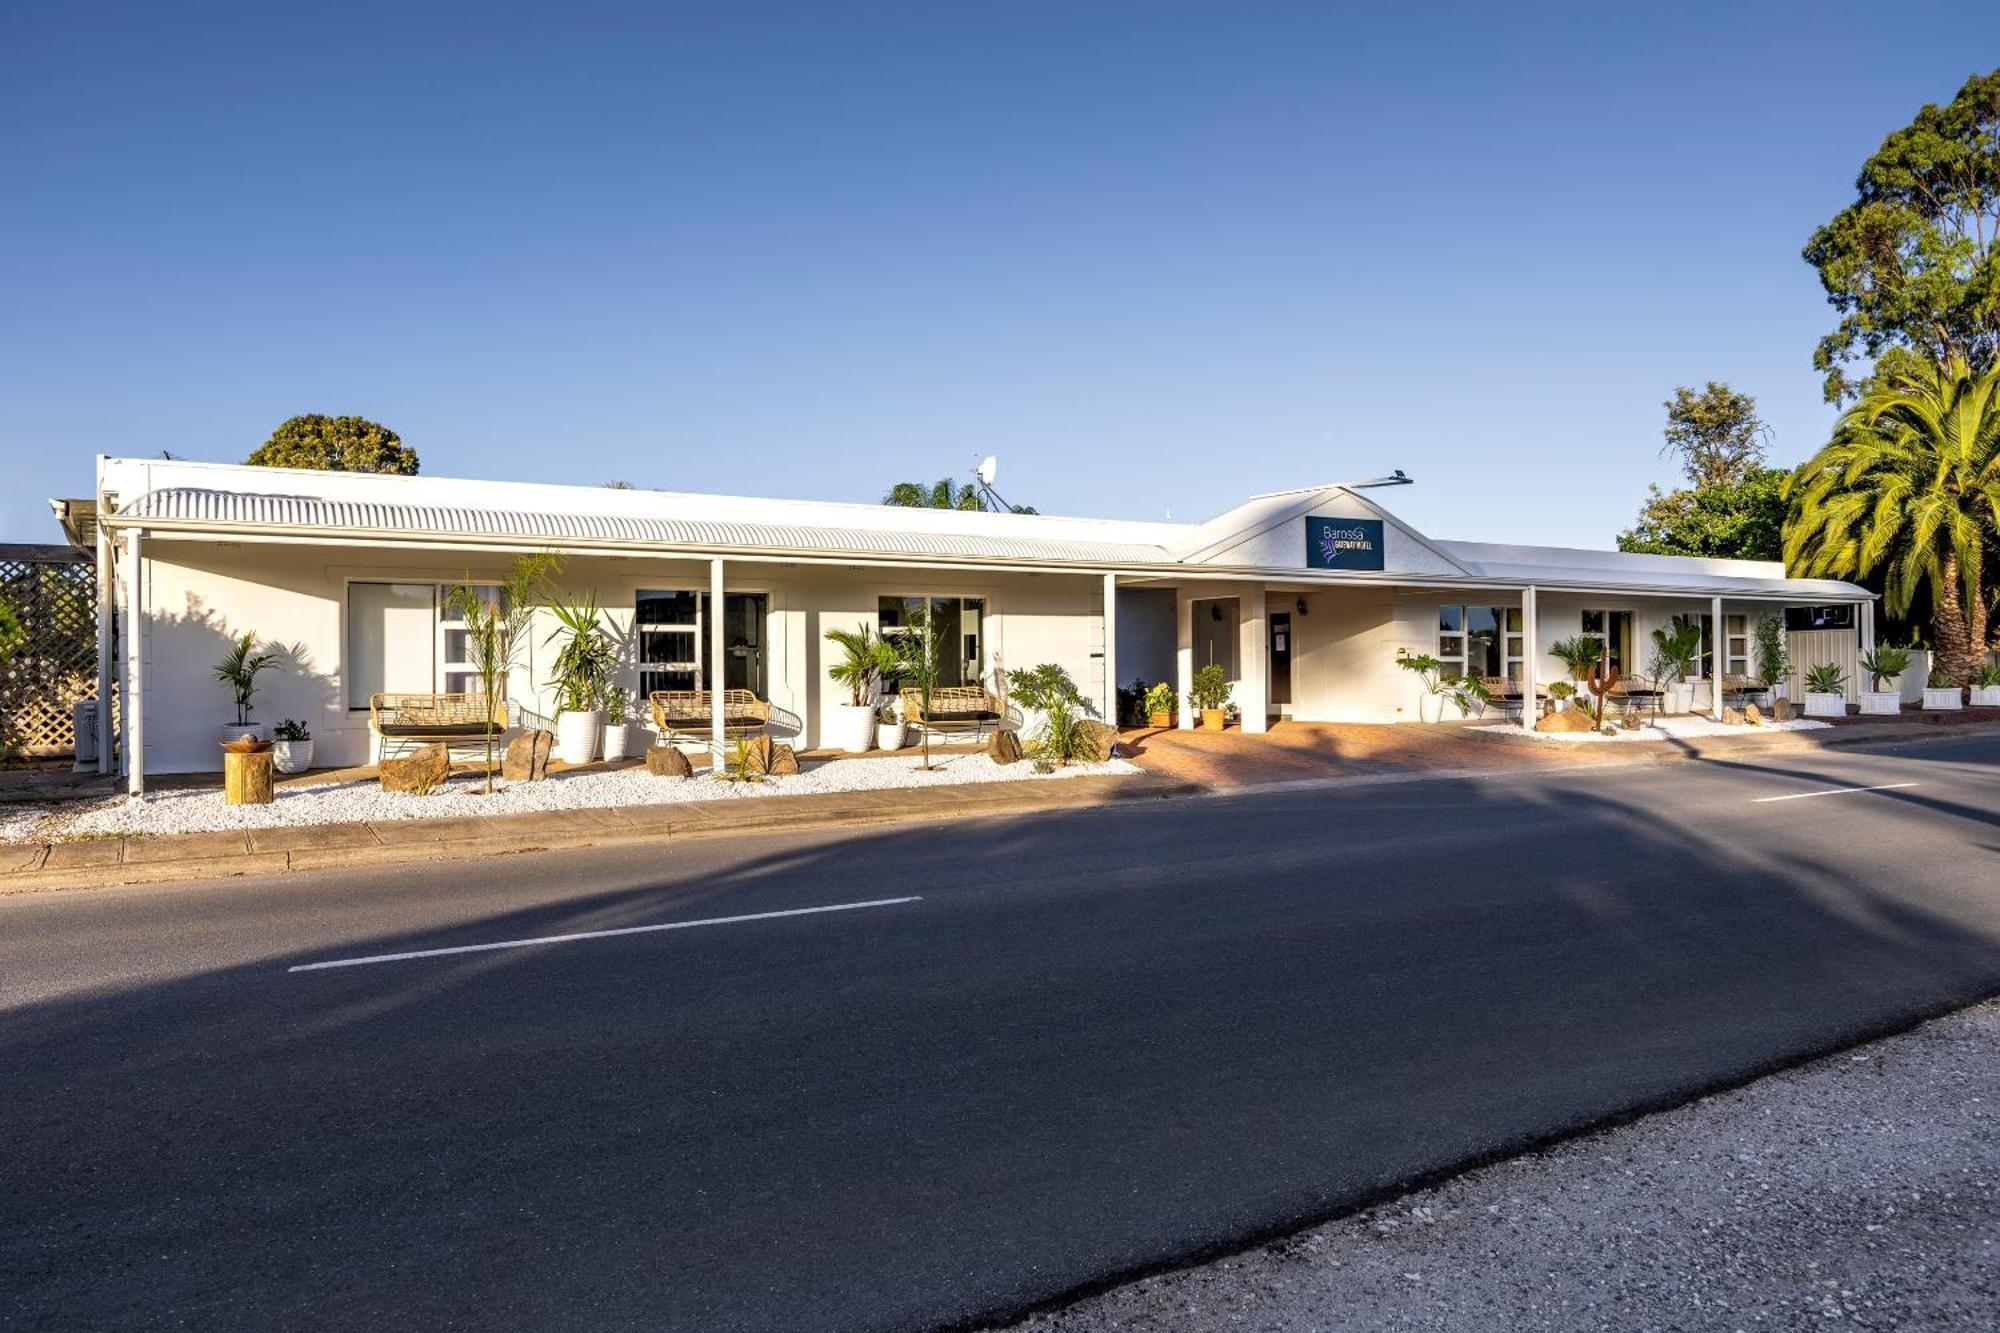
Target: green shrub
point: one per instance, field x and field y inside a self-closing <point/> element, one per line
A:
<point x="1211" y="689"/>
<point x="1826" y="678"/>
<point x="1886" y="662"/>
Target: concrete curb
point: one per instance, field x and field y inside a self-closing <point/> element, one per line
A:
<point x="104" y="863"/>
<point x="108" y="862"/>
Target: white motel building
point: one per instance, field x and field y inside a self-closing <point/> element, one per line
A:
<point x="1306" y="598"/>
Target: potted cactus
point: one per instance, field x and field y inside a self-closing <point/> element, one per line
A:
<point x="1826" y="691"/>
<point x="1942" y="692"/>
<point x="890" y="733"/>
<point x="1986" y="687"/>
<point x="1886" y="663"/>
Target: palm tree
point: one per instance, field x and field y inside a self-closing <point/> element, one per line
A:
<point x="1910" y="485"/>
<point x="942" y="495"/>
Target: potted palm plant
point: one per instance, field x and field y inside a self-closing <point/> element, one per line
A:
<point x="1986" y="687"/>
<point x="239" y="670"/>
<point x="1158" y="705"/>
<point x="1441" y="687"/>
<point x="1826" y="691"/>
<point x="866" y="660"/>
<point x="581" y="678"/>
<point x="1886" y="663"/>
<point x="1676" y="649"/>
<point x="292" y="750"/>
<point x="1210" y="696"/>
<point x="1942" y="691"/>
<point x="1579" y="653"/>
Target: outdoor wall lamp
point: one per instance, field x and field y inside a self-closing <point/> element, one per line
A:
<point x="1302" y="606"/>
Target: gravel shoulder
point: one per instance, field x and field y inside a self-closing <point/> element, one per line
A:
<point x="1859" y="1191"/>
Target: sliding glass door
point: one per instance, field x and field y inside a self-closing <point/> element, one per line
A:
<point x="672" y="629"/>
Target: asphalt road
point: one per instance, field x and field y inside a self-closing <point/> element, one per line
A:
<point x="1095" y="1043"/>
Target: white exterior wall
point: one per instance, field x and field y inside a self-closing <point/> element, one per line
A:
<point x="200" y="594"/>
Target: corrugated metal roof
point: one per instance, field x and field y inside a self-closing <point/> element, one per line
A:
<point x="243" y="509"/>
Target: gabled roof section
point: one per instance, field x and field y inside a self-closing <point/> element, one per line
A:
<point x="1264" y="513"/>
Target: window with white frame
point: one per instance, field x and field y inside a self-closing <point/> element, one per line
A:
<point x="960" y="626"/>
<point x="407" y="637"/>
<point x="1480" y="640"/>
<point x="1735" y="646"/>
<point x="671" y="633"/>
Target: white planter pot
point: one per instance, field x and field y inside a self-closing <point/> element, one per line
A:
<point x="889" y="735"/>
<point x="1679" y="697"/>
<point x="229" y="731"/>
<point x="853" y="728"/>
<point x="292" y="756"/>
<point x="1881" y="703"/>
<point x="1943" y="700"/>
<point x="1430" y="707"/>
<point x="576" y="736"/>
<point x="1986" y="696"/>
<point x="618" y="740"/>
<point x="1825" y="705"/>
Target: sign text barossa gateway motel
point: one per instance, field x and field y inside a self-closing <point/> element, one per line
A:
<point x="1305" y="598"/>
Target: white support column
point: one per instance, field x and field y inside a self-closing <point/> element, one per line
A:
<point x="1110" y="713"/>
<point x="1184" y="656"/>
<point x="1253" y="661"/>
<point x="1718" y="656"/>
<point x="1531" y="658"/>
<point x="716" y="643"/>
<point x="133" y="697"/>
<point x="107" y="601"/>
<point x="1867" y="619"/>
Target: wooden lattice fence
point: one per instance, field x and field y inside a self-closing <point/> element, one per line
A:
<point x="53" y="592"/>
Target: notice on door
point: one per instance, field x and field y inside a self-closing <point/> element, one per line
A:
<point x="1343" y="543"/>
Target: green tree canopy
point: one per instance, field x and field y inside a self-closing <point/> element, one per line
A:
<point x="942" y="494"/>
<point x="1912" y="262"/>
<point x="336" y="444"/>
<point x="1742" y="520"/>
<point x="1716" y="434"/>
<point x="1910" y="485"/>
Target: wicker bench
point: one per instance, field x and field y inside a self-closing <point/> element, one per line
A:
<point x="692" y="713"/>
<point x="450" y="720"/>
<point x="953" y="708"/>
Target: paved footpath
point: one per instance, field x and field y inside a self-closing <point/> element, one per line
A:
<point x="1859" y="1191"/>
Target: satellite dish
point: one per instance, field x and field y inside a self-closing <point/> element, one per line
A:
<point x="988" y="468"/>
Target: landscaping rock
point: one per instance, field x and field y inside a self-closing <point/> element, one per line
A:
<point x="1100" y="741"/>
<point x="1003" y="747"/>
<point x="1753" y="715"/>
<point x="527" y="757"/>
<point x="784" y="761"/>
<point x="664" y="761"/>
<point x="417" y="774"/>
<point x="1732" y="717"/>
<point x="1783" y="710"/>
<point x="1566" y="720"/>
<point x="756" y="754"/>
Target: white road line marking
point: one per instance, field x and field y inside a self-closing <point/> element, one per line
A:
<point x="598" y="934"/>
<point x="1832" y="791"/>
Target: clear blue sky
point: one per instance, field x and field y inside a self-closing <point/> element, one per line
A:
<point x="1154" y="257"/>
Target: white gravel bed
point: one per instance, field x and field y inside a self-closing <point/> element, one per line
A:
<point x="1665" y="729"/>
<point x="1858" y="1192"/>
<point x="203" y="810"/>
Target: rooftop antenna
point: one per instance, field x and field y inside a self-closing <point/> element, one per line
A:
<point x="983" y="473"/>
<point x="1396" y="478"/>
